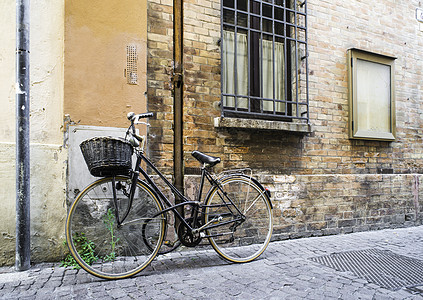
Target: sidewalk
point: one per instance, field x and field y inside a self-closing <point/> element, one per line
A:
<point x="386" y="264"/>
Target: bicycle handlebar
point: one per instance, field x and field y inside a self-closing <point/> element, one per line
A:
<point x="135" y="118"/>
<point x="136" y="140"/>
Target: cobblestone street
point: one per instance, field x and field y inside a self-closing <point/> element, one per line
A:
<point x="287" y="270"/>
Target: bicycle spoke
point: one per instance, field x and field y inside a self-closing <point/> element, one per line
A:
<point x="254" y="201"/>
<point x="120" y="250"/>
<point x="243" y="240"/>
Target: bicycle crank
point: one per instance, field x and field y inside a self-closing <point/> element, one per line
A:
<point x="186" y="236"/>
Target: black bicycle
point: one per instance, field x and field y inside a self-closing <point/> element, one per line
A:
<point x="118" y="224"/>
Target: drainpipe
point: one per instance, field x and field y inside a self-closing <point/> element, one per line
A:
<point x="22" y="260"/>
<point x="178" y="162"/>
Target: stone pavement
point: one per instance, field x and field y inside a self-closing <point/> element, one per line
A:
<point x="285" y="271"/>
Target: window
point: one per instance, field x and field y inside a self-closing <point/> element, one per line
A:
<point x="264" y="59"/>
<point x="371" y="95"/>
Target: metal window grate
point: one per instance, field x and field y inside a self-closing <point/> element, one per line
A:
<point x="382" y="267"/>
<point x="131" y="65"/>
<point x="264" y="59"/>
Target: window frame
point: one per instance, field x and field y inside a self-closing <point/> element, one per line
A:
<point x="355" y="131"/>
<point x="294" y="105"/>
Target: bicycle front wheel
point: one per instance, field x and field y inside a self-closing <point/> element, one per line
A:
<point x="105" y="248"/>
<point x="242" y="216"/>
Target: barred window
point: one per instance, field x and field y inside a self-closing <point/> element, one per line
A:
<point x="264" y="59"/>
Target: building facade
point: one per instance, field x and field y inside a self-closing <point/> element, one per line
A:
<point x="321" y="99"/>
<point x="325" y="177"/>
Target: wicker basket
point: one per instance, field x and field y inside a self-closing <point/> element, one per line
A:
<point x="106" y="156"/>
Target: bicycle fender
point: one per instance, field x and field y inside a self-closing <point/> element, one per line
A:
<point x="266" y="191"/>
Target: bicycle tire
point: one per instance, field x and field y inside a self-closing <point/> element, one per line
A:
<point x="248" y="240"/>
<point x="101" y="247"/>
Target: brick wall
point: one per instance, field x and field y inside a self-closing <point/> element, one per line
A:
<point x="202" y="76"/>
<point x="386" y="27"/>
<point x="337" y="186"/>
<point x="159" y="90"/>
<point x="333" y="28"/>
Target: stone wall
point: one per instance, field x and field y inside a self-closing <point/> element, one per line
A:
<point x="312" y="205"/>
<point x="315" y="205"/>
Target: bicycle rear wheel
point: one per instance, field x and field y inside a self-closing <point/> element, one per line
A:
<point x="240" y="240"/>
<point x="101" y="246"/>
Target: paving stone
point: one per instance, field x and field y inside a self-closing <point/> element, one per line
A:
<point x="44" y="293"/>
<point x="53" y="283"/>
<point x="117" y="293"/>
<point x="283" y="272"/>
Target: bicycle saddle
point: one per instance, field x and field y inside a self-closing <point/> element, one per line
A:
<point x="205" y="159"/>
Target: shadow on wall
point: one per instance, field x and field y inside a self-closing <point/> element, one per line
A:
<point x="264" y="151"/>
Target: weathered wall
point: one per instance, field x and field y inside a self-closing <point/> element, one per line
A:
<point x="388" y="27"/>
<point x="315" y="205"/>
<point x="48" y="157"/>
<point x="310" y="205"/>
<point x="78" y="61"/>
<point x="97" y="34"/>
<point x="159" y="89"/>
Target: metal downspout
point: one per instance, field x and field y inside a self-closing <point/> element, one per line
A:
<point x="178" y="165"/>
<point x="22" y="250"/>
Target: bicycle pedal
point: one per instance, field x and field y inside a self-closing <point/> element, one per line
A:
<point x="168" y="243"/>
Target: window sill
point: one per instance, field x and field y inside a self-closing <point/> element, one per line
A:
<point x="221" y="122"/>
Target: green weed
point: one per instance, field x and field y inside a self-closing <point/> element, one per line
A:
<point x="109" y="221"/>
<point x="85" y="249"/>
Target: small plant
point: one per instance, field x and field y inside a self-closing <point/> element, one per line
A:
<point x="85" y="249"/>
<point x="69" y="261"/>
<point x="109" y="221"/>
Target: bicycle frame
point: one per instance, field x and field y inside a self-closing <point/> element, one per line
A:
<point x="185" y="201"/>
<point x="197" y="205"/>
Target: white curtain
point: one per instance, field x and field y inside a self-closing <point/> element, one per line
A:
<point x="268" y="66"/>
<point x="229" y="68"/>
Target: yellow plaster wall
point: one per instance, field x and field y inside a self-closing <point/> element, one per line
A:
<point x="96" y="36"/>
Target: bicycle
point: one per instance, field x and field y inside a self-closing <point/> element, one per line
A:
<point x="122" y="220"/>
